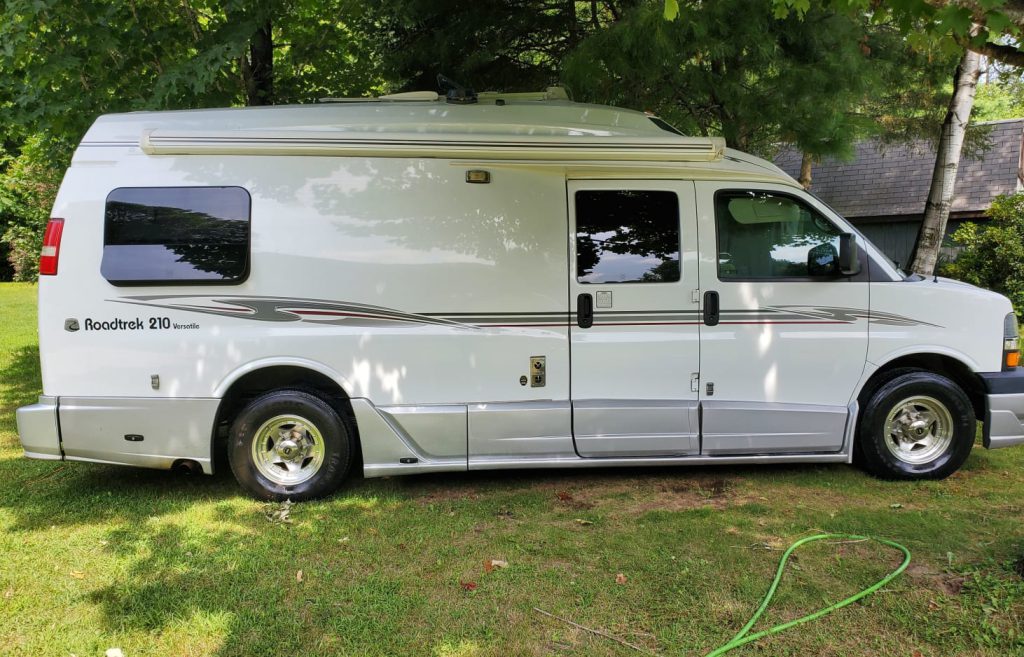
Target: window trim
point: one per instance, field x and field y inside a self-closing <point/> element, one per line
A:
<point x="242" y="278"/>
<point x="860" y="277"/>
<point x="575" y="236"/>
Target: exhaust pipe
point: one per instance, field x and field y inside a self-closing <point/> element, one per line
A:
<point x="187" y="467"/>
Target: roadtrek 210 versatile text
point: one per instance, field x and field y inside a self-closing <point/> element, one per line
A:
<point x="424" y="283"/>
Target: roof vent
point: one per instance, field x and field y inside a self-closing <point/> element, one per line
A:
<point x="455" y="92"/>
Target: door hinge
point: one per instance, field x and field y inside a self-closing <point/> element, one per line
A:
<point x="695" y="382"/>
<point x="695" y="296"/>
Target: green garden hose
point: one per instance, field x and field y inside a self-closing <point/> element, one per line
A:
<point x="741" y="637"/>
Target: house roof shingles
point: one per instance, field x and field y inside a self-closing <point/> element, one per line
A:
<point x="893" y="180"/>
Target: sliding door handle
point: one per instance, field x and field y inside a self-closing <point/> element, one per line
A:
<point x="584" y="311"/>
<point x="711" y="311"/>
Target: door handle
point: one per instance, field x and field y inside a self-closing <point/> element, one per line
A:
<point x="584" y="311"/>
<point x="711" y="310"/>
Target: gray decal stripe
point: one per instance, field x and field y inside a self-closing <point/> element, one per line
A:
<point x="642" y="319"/>
<point x="492" y="314"/>
<point x="274" y="309"/>
<point x="652" y="311"/>
<point x="506" y="315"/>
<point x="319" y="311"/>
<point x="496" y="318"/>
<point x="853" y="314"/>
<point x="629" y="314"/>
<point x="757" y="319"/>
<point x="565" y="317"/>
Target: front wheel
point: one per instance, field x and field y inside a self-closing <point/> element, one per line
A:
<point x="917" y="425"/>
<point x="289" y="444"/>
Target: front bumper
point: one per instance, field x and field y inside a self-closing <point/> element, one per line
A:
<point x="1004" y="408"/>
<point x="38" y="429"/>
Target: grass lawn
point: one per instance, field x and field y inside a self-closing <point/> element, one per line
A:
<point x="94" y="557"/>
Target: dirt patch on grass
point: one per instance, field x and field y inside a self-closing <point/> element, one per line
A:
<point x="567" y="499"/>
<point x="445" y="494"/>
<point x="715" y="493"/>
<point x="924" y="576"/>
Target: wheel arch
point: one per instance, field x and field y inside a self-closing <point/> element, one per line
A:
<point x="955" y="367"/>
<point x="260" y="377"/>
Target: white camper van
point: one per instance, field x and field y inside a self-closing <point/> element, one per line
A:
<point x="423" y="284"/>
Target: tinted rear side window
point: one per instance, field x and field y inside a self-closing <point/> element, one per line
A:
<point x="627" y="236"/>
<point x="173" y="235"/>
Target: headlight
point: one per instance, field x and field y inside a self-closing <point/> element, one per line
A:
<point x="1011" y="343"/>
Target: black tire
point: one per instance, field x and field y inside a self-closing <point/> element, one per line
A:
<point x="325" y="446"/>
<point x="924" y="396"/>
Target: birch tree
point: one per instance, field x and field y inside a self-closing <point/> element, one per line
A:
<point x="947" y="160"/>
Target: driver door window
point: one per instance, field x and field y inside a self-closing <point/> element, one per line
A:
<point x="767" y="236"/>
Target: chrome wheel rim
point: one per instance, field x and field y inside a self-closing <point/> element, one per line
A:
<point x="288" y="449"/>
<point x="918" y="430"/>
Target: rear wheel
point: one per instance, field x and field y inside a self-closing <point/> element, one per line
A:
<point x="289" y="444"/>
<point x="916" y="425"/>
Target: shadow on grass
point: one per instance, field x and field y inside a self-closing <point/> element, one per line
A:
<point x="20" y="384"/>
<point x="41" y="494"/>
<point x="363" y="591"/>
<point x="370" y="595"/>
<point x="229" y="571"/>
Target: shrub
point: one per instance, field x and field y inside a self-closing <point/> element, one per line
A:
<point x="28" y="186"/>
<point x="992" y="254"/>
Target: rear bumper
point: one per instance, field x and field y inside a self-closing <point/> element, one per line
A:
<point x="147" y="432"/>
<point x="39" y="431"/>
<point x="1004" y="408"/>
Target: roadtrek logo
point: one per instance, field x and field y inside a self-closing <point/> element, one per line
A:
<point x="111" y="325"/>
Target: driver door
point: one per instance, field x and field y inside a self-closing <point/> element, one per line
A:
<point x="781" y="360"/>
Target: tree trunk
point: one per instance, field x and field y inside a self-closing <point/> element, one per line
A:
<point x="805" y="171"/>
<point x="258" y="67"/>
<point x="947" y="160"/>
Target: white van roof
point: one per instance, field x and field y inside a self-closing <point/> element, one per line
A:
<point x="517" y="128"/>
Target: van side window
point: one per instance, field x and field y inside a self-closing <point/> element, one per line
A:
<point x="773" y="236"/>
<point x="174" y="235"/>
<point x="627" y="236"/>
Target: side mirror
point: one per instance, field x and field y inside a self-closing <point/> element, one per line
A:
<point x="849" y="262"/>
<point x="823" y="260"/>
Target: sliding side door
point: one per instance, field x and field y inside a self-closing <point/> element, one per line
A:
<point x="635" y="328"/>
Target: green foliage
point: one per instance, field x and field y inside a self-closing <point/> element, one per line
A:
<point x="984" y="25"/>
<point x="1003" y="99"/>
<point x="819" y="82"/>
<point x="64" y="63"/>
<point x="497" y="45"/>
<point x="28" y="185"/>
<point x="993" y="252"/>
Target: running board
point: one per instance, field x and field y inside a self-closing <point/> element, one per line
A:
<point x="481" y="464"/>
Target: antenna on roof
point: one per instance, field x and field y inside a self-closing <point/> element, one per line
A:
<point x="455" y="92"/>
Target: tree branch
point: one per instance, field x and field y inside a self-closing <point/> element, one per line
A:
<point x="999" y="52"/>
<point x="1012" y="9"/>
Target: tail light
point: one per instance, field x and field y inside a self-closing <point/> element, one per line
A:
<point x="51" y="247"/>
